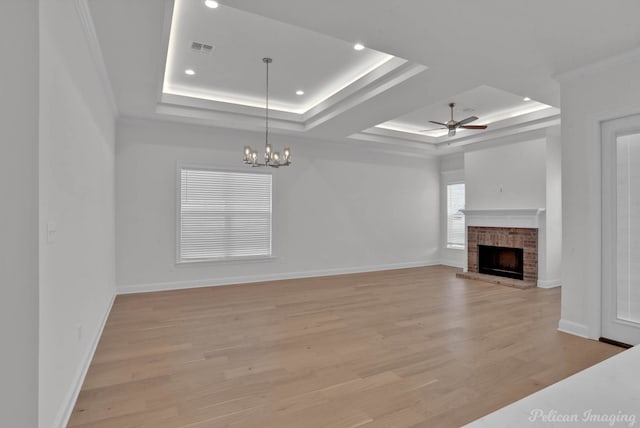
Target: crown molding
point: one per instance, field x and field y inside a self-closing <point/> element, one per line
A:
<point x="537" y="119"/>
<point x="362" y="90"/>
<point x="534" y="126"/>
<point x="86" y="21"/>
<point x="225" y="119"/>
<point x="399" y="135"/>
<point x="537" y="127"/>
<point x="496" y="128"/>
<point x="496" y="141"/>
<point x="186" y="104"/>
<point x="314" y="143"/>
<point x="627" y="57"/>
<point x="395" y="142"/>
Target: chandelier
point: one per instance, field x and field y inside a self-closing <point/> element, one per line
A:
<point x="271" y="158"/>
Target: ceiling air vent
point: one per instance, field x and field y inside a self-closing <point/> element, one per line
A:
<point x="204" y="48"/>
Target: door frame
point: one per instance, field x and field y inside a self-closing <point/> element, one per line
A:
<point x="593" y="288"/>
<point x="610" y="130"/>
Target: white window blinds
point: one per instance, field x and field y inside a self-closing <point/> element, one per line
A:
<point x="223" y="215"/>
<point x="455" y="218"/>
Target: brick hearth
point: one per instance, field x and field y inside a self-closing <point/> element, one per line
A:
<point x="513" y="237"/>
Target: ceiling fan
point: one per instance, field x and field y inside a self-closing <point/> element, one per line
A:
<point x="453" y="125"/>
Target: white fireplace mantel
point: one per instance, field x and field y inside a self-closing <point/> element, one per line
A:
<point x="529" y="218"/>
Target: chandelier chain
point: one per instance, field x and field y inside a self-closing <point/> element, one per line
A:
<point x="266" y="136"/>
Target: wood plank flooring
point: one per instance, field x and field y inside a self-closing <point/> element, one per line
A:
<point x="405" y="348"/>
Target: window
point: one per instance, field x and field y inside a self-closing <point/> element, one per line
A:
<point x="455" y="218"/>
<point x="223" y="215"/>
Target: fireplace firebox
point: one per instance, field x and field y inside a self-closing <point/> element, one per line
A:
<point x="501" y="261"/>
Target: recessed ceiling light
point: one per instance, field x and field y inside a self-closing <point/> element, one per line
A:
<point x="299" y="92"/>
<point x="526" y="99"/>
<point x="189" y="72"/>
<point x="358" y="46"/>
<point x="212" y="4"/>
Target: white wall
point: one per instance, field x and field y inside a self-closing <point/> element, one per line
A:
<point x="19" y="214"/>
<point x="553" y="213"/>
<point x="77" y="271"/>
<point x="334" y="210"/>
<point x="510" y="176"/>
<point x="520" y="175"/>
<point x="452" y="162"/>
<point x="588" y="98"/>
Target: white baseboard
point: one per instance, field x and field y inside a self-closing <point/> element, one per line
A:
<point x="64" y="414"/>
<point x="211" y="282"/>
<point x="549" y="283"/>
<point x="453" y="263"/>
<point x="574" y="328"/>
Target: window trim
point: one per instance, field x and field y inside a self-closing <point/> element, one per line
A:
<point x="448" y="178"/>
<point x="226" y="260"/>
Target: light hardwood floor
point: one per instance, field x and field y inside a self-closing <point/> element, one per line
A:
<point x="405" y="348"/>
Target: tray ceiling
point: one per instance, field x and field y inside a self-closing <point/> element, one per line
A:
<point x="233" y="71"/>
<point x="487" y="60"/>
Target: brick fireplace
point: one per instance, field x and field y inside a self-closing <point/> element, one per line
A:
<point x="525" y="239"/>
<point x="516" y="241"/>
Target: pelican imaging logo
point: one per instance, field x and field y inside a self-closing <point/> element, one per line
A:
<point x="589" y="416"/>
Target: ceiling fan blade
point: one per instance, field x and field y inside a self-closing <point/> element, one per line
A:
<point x="432" y="129"/>
<point x="467" y="120"/>
<point x="438" y="123"/>
<point x="474" y="127"/>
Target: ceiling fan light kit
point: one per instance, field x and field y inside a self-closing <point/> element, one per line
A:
<point x="271" y="158"/>
<point x="452" y="125"/>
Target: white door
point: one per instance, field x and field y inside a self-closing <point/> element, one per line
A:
<point x="621" y="230"/>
